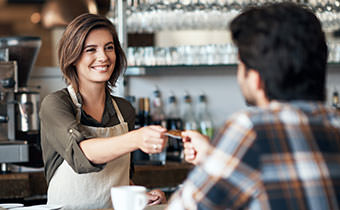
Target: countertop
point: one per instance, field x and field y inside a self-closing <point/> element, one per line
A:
<point x="156" y="207"/>
<point x="27" y="184"/>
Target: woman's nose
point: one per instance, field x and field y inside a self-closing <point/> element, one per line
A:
<point x="101" y="55"/>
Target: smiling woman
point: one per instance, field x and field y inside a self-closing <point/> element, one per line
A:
<point x="84" y="128"/>
<point x="75" y="47"/>
<point x="97" y="60"/>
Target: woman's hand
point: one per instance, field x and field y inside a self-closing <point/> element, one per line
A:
<point x="196" y="146"/>
<point x="156" y="197"/>
<point x="151" y="139"/>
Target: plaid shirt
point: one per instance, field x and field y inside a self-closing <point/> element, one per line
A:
<point x="286" y="156"/>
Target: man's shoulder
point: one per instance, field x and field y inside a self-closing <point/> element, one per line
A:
<point x="252" y="113"/>
<point x="286" y="112"/>
<point x="268" y="114"/>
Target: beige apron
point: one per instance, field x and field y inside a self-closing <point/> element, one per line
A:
<point x="90" y="190"/>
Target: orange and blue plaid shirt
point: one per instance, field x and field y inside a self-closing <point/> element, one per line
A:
<point x="286" y="156"/>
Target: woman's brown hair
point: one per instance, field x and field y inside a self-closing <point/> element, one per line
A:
<point x="72" y="43"/>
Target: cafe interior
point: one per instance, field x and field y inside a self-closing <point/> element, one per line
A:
<point x="179" y="54"/>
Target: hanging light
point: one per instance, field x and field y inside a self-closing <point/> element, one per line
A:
<point x="61" y="12"/>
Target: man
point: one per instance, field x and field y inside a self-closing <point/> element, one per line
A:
<point x="284" y="152"/>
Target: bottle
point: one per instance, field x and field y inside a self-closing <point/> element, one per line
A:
<point x="158" y="118"/>
<point x="157" y="111"/>
<point x="188" y="116"/>
<point x="132" y="100"/>
<point x="144" y="118"/>
<point x="335" y="99"/>
<point x="204" y="118"/>
<point x="174" y="122"/>
<point x="144" y="112"/>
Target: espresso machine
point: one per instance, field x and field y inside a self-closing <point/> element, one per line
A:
<point x="19" y="104"/>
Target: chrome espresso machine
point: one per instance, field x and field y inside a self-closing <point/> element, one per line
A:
<point x="19" y="104"/>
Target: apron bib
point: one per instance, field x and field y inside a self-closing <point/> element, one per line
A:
<point x="90" y="190"/>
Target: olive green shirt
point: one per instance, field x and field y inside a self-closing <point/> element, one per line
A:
<point x="61" y="133"/>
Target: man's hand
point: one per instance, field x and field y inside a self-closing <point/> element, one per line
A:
<point x="196" y="146"/>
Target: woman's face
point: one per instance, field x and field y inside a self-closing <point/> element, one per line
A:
<point x="97" y="61"/>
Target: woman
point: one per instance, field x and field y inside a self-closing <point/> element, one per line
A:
<point x="86" y="133"/>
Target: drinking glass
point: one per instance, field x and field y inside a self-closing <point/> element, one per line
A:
<point x="4" y="56"/>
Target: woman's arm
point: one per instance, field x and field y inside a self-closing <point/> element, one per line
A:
<point x="149" y="139"/>
<point x="62" y="134"/>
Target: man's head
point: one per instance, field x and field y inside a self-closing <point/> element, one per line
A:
<point x="283" y="43"/>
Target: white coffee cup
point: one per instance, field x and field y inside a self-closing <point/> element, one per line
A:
<point x="129" y="197"/>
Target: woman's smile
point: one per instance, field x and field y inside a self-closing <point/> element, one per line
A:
<point x="101" y="68"/>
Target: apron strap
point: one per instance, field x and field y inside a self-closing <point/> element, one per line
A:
<point x="75" y="101"/>
<point x="119" y="114"/>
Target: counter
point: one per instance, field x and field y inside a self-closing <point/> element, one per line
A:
<point x="30" y="184"/>
<point x="22" y="185"/>
<point x="156" y="207"/>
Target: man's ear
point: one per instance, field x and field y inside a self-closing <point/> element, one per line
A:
<point x="255" y="79"/>
<point x="258" y="86"/>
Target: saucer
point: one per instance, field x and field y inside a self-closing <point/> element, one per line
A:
<point x="48" y="206"/>
<point x="40" y="207"/>
<point x="10" y="205"/>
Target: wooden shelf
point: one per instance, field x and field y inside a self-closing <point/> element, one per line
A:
<point x="175" y="69"/>
<point x="155" y="70"/>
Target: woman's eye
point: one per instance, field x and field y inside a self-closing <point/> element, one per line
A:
<point x="90" y="49"/>
<point x="110" y="47"/>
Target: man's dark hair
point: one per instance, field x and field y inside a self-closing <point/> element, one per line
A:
<point x="285" y="43"/>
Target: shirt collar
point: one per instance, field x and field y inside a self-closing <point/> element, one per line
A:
<point x="109" y="110"/>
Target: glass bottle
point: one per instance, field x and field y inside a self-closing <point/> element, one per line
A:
<point x="335" y="99"/>
<point x="157" y="111"/>
<point x="204" y="118"/>
<point x="132" y="100"/>
<point x="144" y="118"/>
<point x="174" y="122"/>
<point x="188" y="116"/>
<point x="158" y="118"/>
<point x="144" y="112"/>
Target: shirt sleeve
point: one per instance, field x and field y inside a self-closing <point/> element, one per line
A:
<point x="225" y="179"/>
<point x="61" y="133"/>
